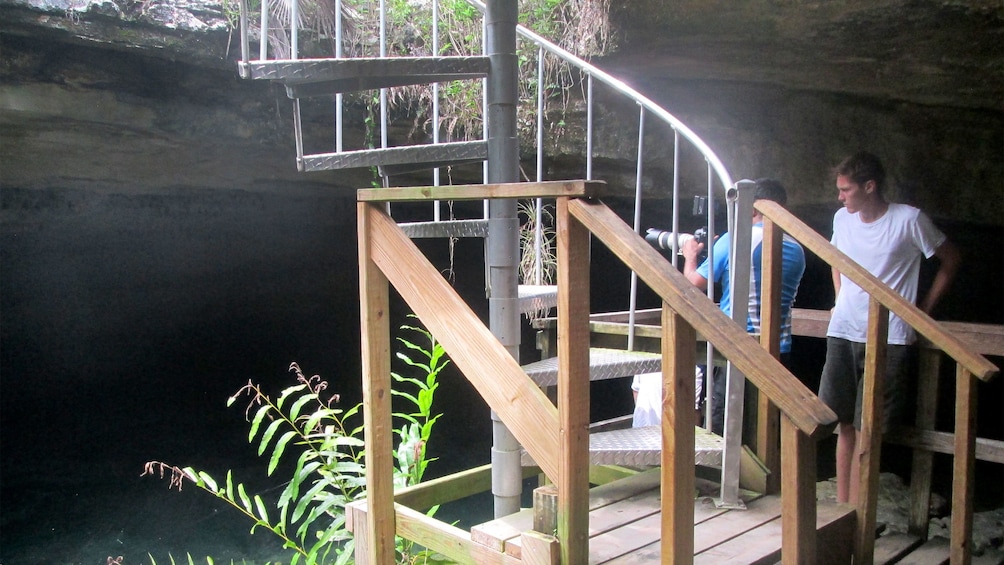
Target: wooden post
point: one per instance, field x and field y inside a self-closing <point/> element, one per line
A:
<point x="374" y="316"/>
<point x="964" y="466"/>
<point x="798" y="496"/>
<point x="678" y="420"/>
<point x="768" y="416"/>
<point x="929" y="363"/>
<point x="870" y="434"/>
<point x="573" y="386"/>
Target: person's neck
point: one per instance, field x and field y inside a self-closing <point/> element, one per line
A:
<point x="875" y="209"/>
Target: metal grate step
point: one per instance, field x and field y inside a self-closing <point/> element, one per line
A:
<point x="415" y="156"/>
<point x="317" y="77"/>
<point x="534" y="298"/>
<point x="446" y="228"/>
<point x="643" y="446"/>
<point x="603" y="364"/>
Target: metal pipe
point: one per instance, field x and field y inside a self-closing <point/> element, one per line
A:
<point x="294" y="29"/>
<point x="245" y="46"/>
<point x="710" y="356"/>
<point x="676" y="195"/>
<point x="637" y="225"/>
<point x="435" y="104"/>
<point x="263" y="41"/>
<point x="503" y="232"/>
<point x="589" y="126"/>
<point x="338" y="55"/>
<point x="538" y="236"/>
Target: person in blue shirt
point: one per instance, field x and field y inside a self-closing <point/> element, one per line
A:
<point x="792" y="268"/>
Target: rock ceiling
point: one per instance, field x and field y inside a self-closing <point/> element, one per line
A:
<point x="945" y="53"/>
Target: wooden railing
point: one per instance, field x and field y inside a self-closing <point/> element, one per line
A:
<point x="970" y="366"/>
<point x="557" y="439"/>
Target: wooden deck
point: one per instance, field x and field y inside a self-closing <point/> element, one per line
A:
<point x="625" y="526"/>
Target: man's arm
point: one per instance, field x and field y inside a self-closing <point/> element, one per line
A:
<point x="836" y="283"/>
<point x="950" y="259"/>
<point x="690" y="250"/>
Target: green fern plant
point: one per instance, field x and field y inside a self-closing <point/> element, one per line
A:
<point x="303" y="427"/>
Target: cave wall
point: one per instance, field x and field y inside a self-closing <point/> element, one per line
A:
<point x="158" y="248"/>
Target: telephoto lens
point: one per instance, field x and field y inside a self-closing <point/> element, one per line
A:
<point x="664" y="239"/>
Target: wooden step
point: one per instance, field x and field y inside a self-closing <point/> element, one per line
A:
<point x="414" y="156"/>
<point x="603" y="364"/>
<point x="318" y="77"/>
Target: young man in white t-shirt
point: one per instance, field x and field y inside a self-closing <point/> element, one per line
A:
<point x="890" y="241"/>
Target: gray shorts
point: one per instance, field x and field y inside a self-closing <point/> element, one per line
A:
<point x="841" y="385"/>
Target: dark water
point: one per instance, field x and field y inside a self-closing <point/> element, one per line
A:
<point x="127" y="322"/>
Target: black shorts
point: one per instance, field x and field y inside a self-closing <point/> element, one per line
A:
<point x="841" y="385"/>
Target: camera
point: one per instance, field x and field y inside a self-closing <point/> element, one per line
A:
<point x="662" y="239"/>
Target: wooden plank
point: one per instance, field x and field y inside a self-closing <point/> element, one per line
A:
<point x="964" y="467"/>
<point x="934" y="552"/>
<point x="735" y="523"/>
<point x="944" y="442"/>
<point x="922" y="468"/>
<point x="985" y="339"/>
<point x="603" y="474"/>
<point x="451" y="541"/>
<point x="503" y="533"/>
<point x="498" y="378"/>
<point x="762" y="545"/>
<point x="678" y="421"/>
<point x="752" y="473"/>
<point x="547" y="189"/>
<point x="792" y="397"/>
<point x="893" y="547"/>
<point x="798" y="492"/>
<point x="890" y="299"/>
<point x="573" y="386"/>
<point x="374" y="316"/>
<point x="540" y="549"/>
<point x="870" y="434"/>
<point x="445" y="489"/>
<point x="768" y="416"/>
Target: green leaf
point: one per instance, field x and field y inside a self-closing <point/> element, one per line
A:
<point x="294" y="411"/>
<point x="244" y="497"/>
<point x="256" y="421"/>
<point x="262" y="511"/>
<point x="280" y="446"/>
<point x="267" y="436"/>
<point x="209" y="481"/>
<point x="286" y="393"/>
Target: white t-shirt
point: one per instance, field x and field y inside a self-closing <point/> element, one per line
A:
<point x="891" y="248"/>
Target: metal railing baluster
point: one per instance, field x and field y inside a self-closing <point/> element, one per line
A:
<point x="637" y="223"/>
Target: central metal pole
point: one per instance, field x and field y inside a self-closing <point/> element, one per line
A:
<point x="503" y="232"/>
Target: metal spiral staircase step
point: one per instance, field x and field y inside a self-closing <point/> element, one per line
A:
<point x="643" y="446"/>
<point x="603" y="364"/>
<point x="416" y="157"/>
<point x="317" y="77"/>
<point x="446" y="228"/>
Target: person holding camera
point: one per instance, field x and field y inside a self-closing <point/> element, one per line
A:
<point x="792" y="268"/>
<point x="648" y="387"/>
<point x="890" y="241"/>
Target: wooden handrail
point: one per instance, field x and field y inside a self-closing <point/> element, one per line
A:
<point x="792" y="397"/>
<point x="495" y="374"/>
<point x="925" y="326"/>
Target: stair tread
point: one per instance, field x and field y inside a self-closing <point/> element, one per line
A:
<point x="534" y="298"/>
<point x="603" y="364"/>
<point x="446" y="228"/>
<point x="643" y="446"/>
<point x="421" y="156"/>
<point x="361" y="73"/>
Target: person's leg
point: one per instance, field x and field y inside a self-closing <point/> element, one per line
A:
<point x="838" y="389"/>
<point x="718" y="400"/>
<point x="847" y="447"/>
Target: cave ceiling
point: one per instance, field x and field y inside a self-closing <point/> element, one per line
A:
<point x="945" y="53"/>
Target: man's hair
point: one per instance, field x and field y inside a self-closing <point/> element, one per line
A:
<point x="770" y="189"/>
<point x="861" y="168"/>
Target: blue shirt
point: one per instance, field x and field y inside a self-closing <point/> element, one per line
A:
<point x="792" y="268"/>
